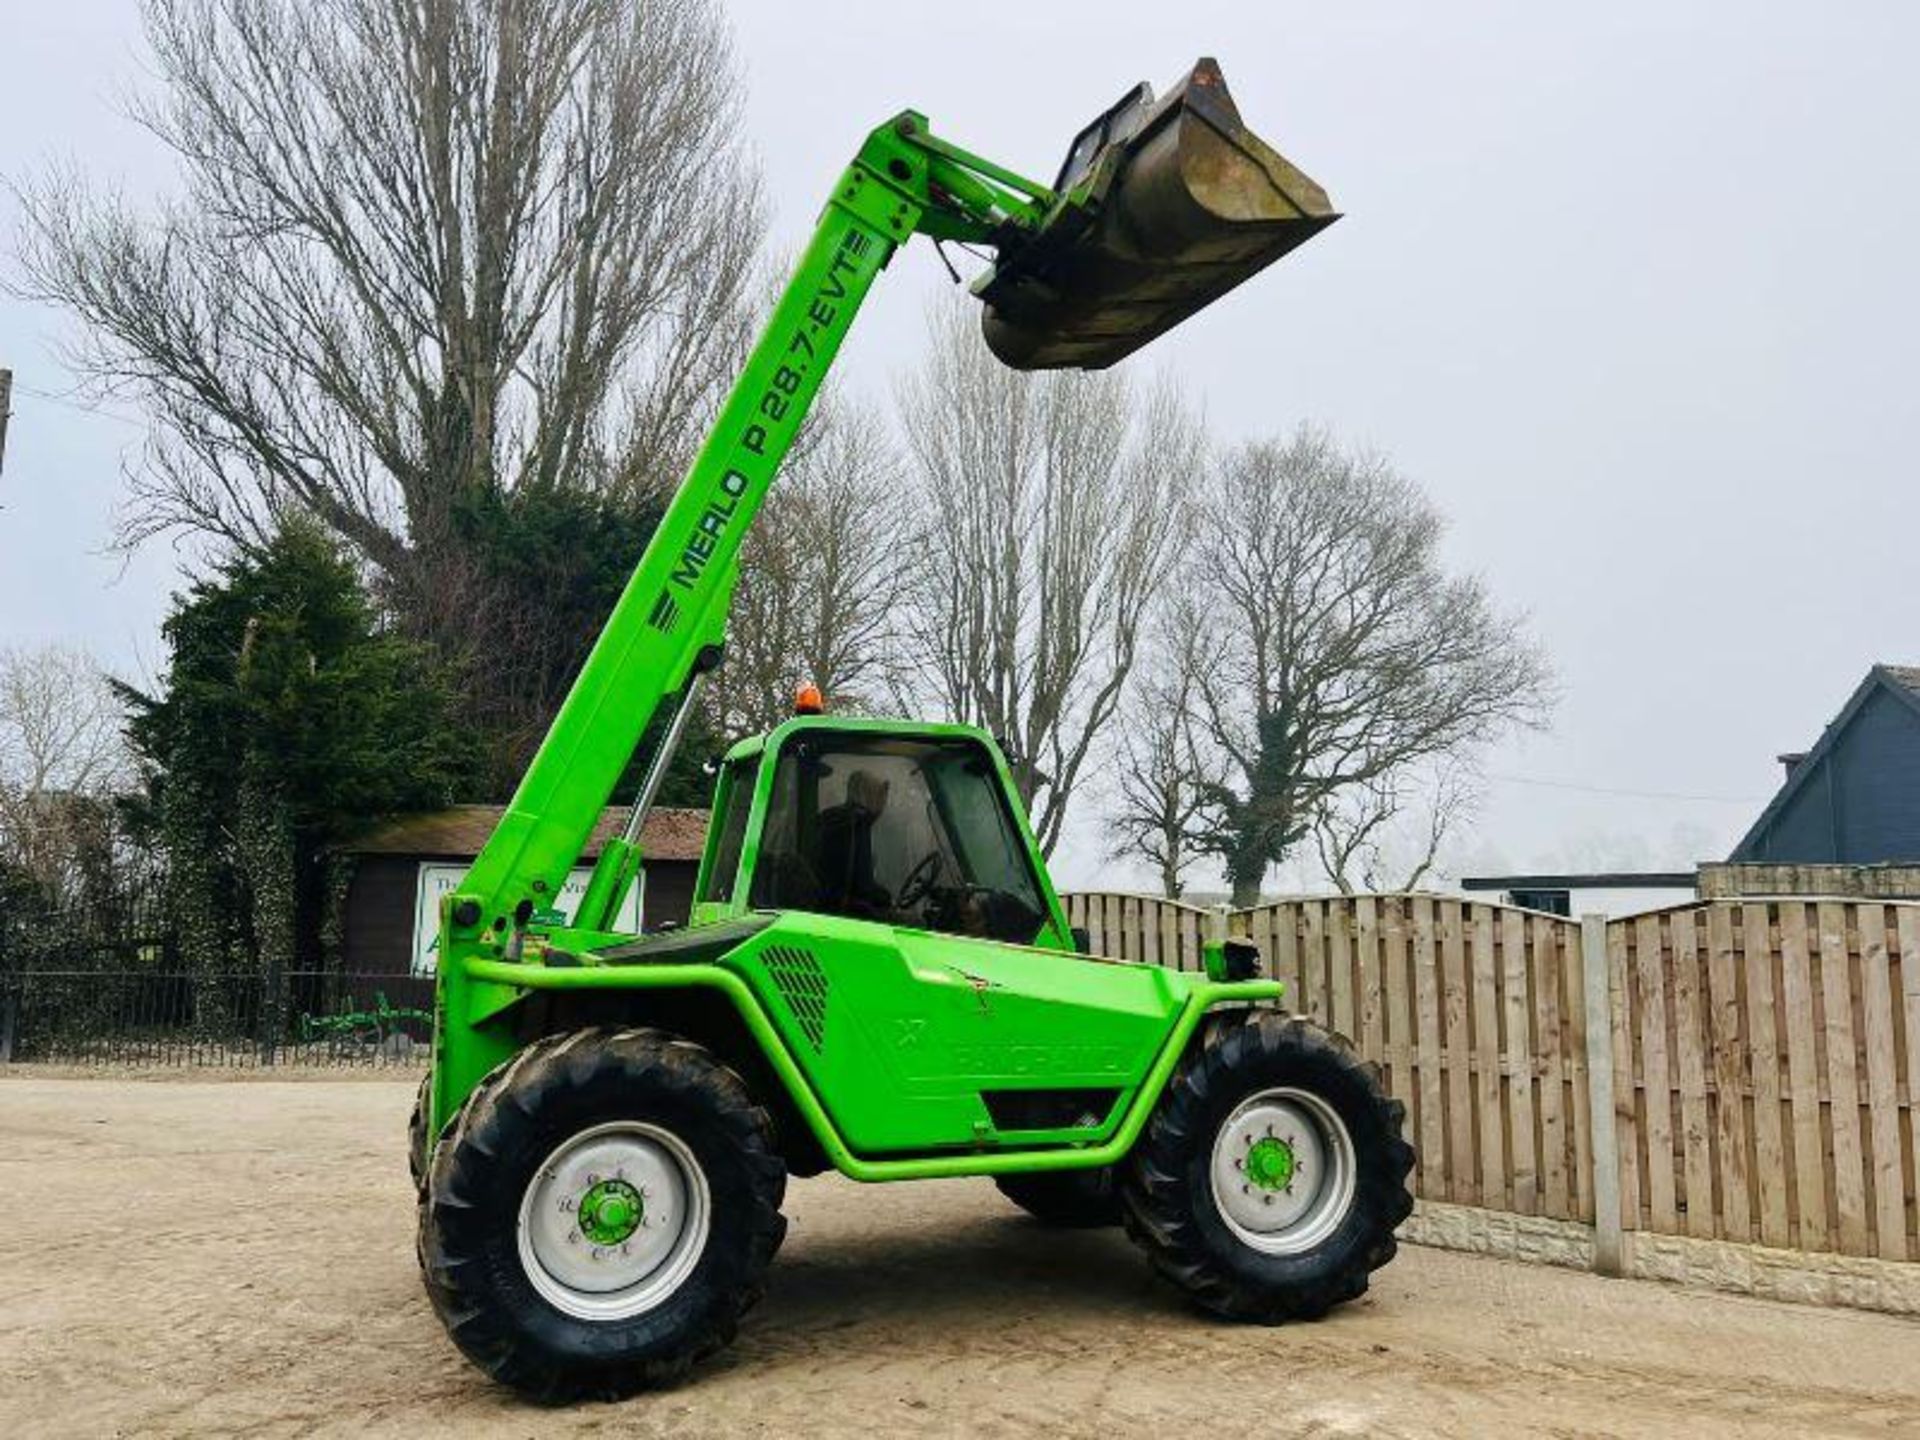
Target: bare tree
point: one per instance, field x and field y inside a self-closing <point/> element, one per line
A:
<point x="820" y="577"/>
<point x="426" y="252"/>
<point x="1052" y="508"/>
<point x="1342" y="654"/>
<point x="63" y="759"/>
<point x="1162" y="775"/>
<point x="1385" y="834"/>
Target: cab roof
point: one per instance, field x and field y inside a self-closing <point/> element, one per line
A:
<point x="855" y="725"/>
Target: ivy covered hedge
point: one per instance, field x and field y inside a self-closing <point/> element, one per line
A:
<point x="289" y="717"/>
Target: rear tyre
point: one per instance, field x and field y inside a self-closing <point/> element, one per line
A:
<point x="1270" y="1179"/>
<point x="417" y="1135"/>
<point x="601" y="1215"/>
<point x="1067" y="1199"/>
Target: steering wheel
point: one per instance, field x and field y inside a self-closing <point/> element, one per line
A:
<point x="920" y="880"/>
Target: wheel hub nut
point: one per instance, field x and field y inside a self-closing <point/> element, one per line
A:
<point x="610" y="1212"/>
<point x="1270" y="1163"/>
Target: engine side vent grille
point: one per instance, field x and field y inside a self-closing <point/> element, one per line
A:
<point x="803" y="985"/>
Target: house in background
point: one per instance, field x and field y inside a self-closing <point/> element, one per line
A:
<point x="1846" y="820"/>
<point x="390" y="914"/>
<point x="1854" y="798"/>
<point x="1845" y="823"/>
<point x="1611" y="893"/>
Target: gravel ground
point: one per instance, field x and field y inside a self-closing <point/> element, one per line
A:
<point x="216" y="1257"/>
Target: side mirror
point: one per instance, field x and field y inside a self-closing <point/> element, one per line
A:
<point x="1243" y="959"/>
<point x="1230" y="959"/>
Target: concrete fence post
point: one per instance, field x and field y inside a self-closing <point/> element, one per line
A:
<point x="1609" y="1241"/>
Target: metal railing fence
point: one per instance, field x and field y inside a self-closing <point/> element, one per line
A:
<point x="168" y="1017"/>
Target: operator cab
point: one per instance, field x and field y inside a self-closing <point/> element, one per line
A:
<point x="899" y="824"/>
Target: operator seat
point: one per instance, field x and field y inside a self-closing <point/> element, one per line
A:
<point x="844" y="850"/>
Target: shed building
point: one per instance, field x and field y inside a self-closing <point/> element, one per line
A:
<point x="400" y="869"/>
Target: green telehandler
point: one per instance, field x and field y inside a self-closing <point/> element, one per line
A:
<point x="878" y="977"/>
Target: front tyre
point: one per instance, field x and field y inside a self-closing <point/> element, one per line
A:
<point x="601" y="1215"/>
<point x="1272" y="1175"/>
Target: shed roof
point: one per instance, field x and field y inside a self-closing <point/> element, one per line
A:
<point x="458" y="832"/>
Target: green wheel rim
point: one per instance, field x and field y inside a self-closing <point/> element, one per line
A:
<point x="1284" y="1170"/>
<point x="610" y="1212"/>
<point x="1270" y="1163"/>
<point x="614" y="1220"/>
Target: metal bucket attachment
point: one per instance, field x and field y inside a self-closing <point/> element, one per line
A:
<point x="1163" y="208"/>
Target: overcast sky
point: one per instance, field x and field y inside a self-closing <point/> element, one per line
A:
<point x="1630" y="289"/>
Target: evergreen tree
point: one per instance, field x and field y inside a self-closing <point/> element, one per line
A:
<point x="290" y="719"/>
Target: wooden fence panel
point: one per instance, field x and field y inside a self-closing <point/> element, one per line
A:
<point x="1803" y="1084"/>
<point x="1190" y="939"/>
<point x="1764" y="1051"/>
<point x="1573" y="1027"/>
<point x="1542" y="962"/>
<point x="1842" y="1074"/>
<point x="1397" y="981"/>
<point x="1485" y="1019"/>
<point x="1522" y="1053"/>
<point x="1282" y="950"/>
<point x="1885" y="1174"/>
<point x="1691" y="1049"/>
<point x="1316" y="976"/>
<point x="1760" y="964"/>
<point x="1648" y="1027"/>
<point x="1726" y="1045"/>
<point x="1909" y="987"/>
<point x="1432" y="1100"/>
<point x="1370" y="1029"/>
<point x="1627" y="1122"/>
<point x="1143" y="928"/>
<point x="1780" y="1036"/>
<point x="1457" y="1074"/>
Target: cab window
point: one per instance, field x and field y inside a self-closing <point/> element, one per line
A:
<point x="736" y="803"/>
<point x="899" y="829"/>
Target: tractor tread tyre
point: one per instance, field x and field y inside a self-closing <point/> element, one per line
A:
<point x="514" y="1119"/>
<point x="1066" y="1199"/>
<point x="1166" y="1188"/>
<point x="417" y="1136"/>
